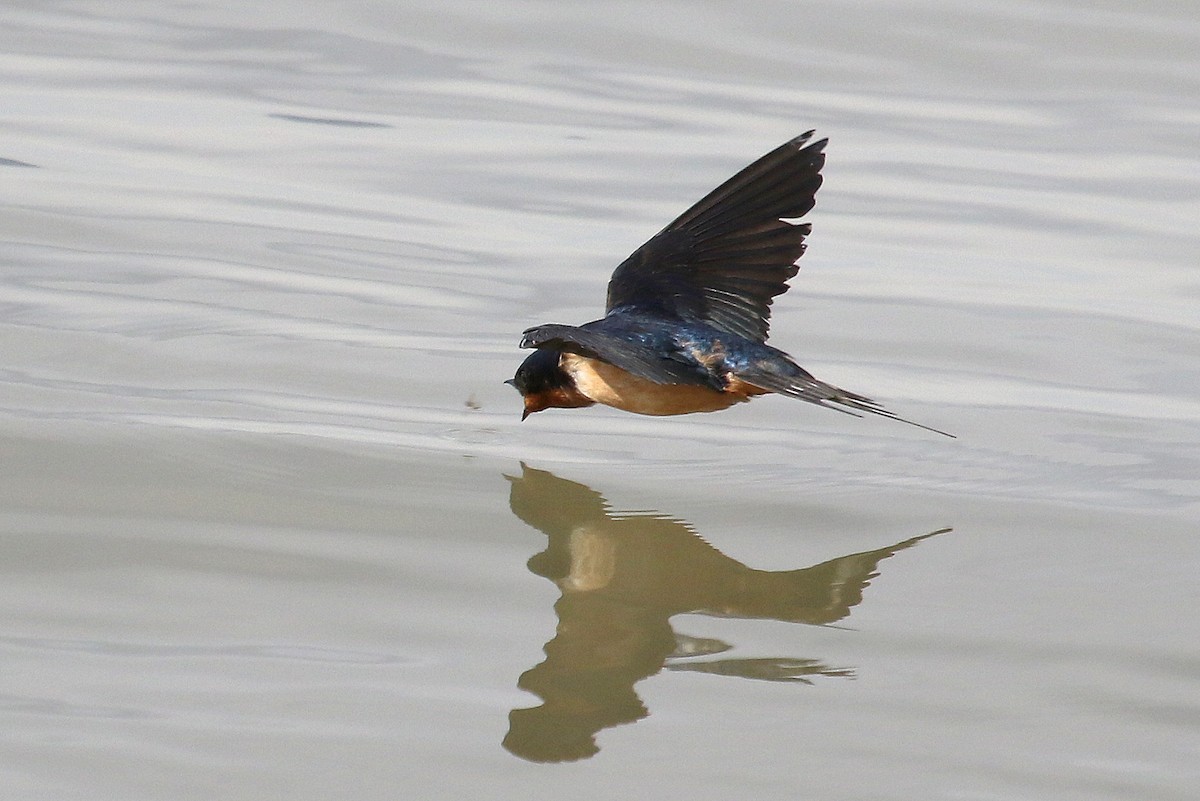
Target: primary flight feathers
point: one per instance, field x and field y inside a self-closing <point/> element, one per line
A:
<point x="723" y="260"/>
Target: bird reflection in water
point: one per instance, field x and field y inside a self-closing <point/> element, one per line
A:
<point x="622" y="577"/>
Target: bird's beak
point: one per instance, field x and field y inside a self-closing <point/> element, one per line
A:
<point x="512" y="382"/>
<point x="536" y="402"/>
<point x="533" y="403"/>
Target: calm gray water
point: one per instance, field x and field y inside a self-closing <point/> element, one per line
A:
<point x="270" y="526"/>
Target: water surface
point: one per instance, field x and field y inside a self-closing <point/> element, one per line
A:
<point x="271" y="526"/>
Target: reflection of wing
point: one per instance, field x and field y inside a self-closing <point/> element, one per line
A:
<point x="625" y="353"/>
<point x="777" y="669"/>
<point x="728" y="256"/>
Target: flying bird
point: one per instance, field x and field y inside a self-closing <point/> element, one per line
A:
<point x="686" y="322"/>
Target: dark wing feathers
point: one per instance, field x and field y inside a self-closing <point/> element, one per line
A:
<point x="670" y="368"/>
<point x="724" y="259"/>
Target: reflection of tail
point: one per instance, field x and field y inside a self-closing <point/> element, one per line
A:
<point x="818" y="595"/>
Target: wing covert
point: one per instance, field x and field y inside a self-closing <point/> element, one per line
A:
<point x="620" y="351"/>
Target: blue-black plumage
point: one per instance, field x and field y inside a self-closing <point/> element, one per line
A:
<point x="687" y="315"/>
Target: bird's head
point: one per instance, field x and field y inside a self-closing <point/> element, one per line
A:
<point x="544" y="384"/>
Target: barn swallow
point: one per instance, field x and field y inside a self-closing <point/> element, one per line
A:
<point x="686" y="321"/>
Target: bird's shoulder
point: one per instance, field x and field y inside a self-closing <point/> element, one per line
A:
<point x="647" y="347"/>
<point x="700" y="347"/>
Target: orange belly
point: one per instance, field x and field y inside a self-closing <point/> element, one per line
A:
<point x="612" y="386"/>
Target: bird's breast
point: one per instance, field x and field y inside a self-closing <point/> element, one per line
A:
<point x="612" y="386"/>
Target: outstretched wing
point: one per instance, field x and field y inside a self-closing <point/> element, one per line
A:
<point x="725" y="259"/>
<point x="624" y="352"/>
